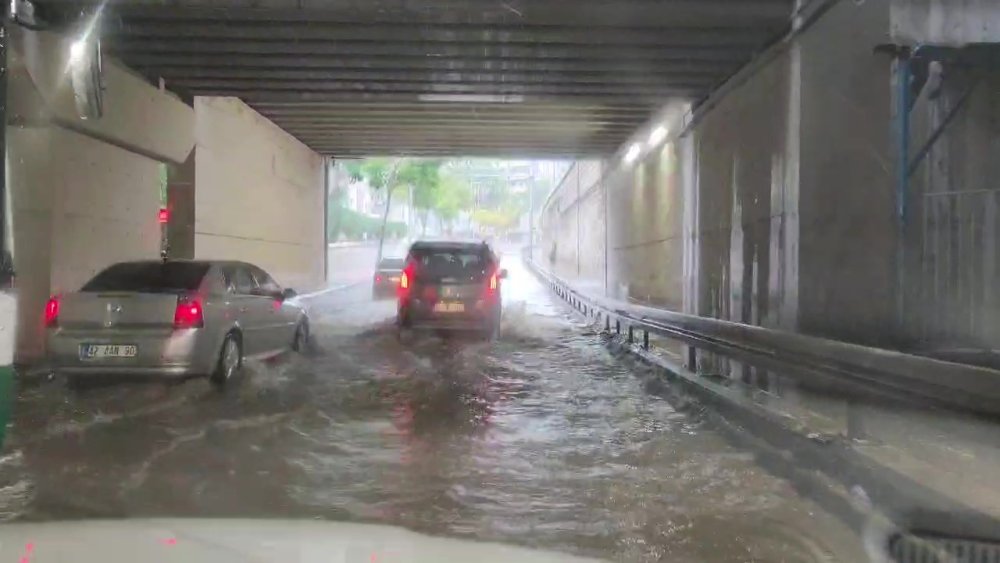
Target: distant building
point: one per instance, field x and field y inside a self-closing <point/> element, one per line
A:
<point x="359" y="197"/>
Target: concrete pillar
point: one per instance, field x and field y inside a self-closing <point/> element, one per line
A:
<point x="259" y="194"/>
<point x="846" y="196"/>
<point x="181" y="203"/>
<point x="84" y="193"/>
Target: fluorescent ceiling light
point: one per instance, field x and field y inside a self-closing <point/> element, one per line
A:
<point x="77" y="51"/>
<point x="657" y="136"/>
<point x="470" y="98"/>
<point x="632" y="153"/>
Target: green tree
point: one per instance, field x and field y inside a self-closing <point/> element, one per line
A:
<point x="335" y="213"/>
<point x="424" y="178"/>
<point x="497" y="220"/>
<point x="454" y="195"/>
<point x="382" y="174"/>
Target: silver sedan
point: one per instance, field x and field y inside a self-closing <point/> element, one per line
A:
<point x="173" y="318"/>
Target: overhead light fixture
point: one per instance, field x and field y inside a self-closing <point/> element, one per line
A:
<point x="25" y="13"/>
<point x="472" y="98"/>
<point x="77" y="51"/>
<point x="657" y="136"/>
<point x="632" y="153"/>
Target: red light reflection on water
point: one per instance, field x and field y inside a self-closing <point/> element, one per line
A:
<point x="28" y="549"/>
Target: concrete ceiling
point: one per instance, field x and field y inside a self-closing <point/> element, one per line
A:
<point x="441" y="77"/>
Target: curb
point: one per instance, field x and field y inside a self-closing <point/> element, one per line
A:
<point x="827" y="470"/>
<point x="333" y="289"/>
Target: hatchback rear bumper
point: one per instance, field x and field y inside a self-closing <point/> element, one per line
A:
<point x="450" y="324"/>
<point x="384" y="291"/>
<point x="421" y="316"/>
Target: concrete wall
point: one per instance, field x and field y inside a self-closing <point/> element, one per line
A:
<point x="773" y="203"/>
<point x="258" y="194"/>
<point x="953" y="218"/>
<point x="645" y="251"/>
<point x="83" y="194"/>
<point x="945" y="22"/>
<point x="742" y="216"/>
<point x="573" y="227"/>
<point x="181" y="205"/>
<point x="846" y="204"/>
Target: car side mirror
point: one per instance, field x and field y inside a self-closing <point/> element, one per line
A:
<point x="288" y="293"/>
<point x="503" y="274"/>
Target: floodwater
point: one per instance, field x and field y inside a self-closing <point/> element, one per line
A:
<point x="542" y="439"/>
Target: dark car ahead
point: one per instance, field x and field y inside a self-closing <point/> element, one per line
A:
<point x="386" y="279"/>
<point x="450" y="286"/>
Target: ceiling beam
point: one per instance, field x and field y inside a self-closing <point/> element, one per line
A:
<point x="665" y="64"/>
<point x="563" y="107"/>
<point x="456" y="148"/>
<point x="361" y="50"/>
<point x="495" y="137"/>
<point x="304" y="124"/>
<point x="477" y="153"/>
<point x="257" y="95"/>
<point x="427" y="87"/>
<point x="621" y="13"/>
<point x="429" y="33"/>
<point x="421" y="88"/>
<point x="293" y="120"/>
<point x="268" y="74"/>
<point x="425" y="125"/>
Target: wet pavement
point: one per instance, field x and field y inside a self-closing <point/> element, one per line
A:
<point x="542" y="439"/>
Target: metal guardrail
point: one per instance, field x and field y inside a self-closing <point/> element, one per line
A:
<point x="853" y="368"/>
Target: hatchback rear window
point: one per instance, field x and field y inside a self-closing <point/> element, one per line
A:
<point x="391" y="264"/>
<point x="149" y="277"/>
<point x="451" y="262"/>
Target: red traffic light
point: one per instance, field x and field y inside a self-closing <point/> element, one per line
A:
<point x="164" y="215"/>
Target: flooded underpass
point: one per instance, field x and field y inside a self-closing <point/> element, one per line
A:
<point x="542" y="439"/>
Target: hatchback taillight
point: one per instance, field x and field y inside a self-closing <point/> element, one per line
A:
<point x="188" y="313"/>
<point x="406" y="278"/>
<point x="493" y="281"/>
<point x="52" y="311"/>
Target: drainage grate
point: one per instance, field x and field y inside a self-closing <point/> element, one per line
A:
<point x="914" y="548"/>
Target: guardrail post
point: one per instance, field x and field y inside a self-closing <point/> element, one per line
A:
<point x="645" y="340"/>
<point x="631" y="336"/>
<point x="692" y="363"/>
<point x="618" y="326"/>
<point x="607" y="323"/>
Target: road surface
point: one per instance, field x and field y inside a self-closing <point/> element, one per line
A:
<point x="541" y="439"/>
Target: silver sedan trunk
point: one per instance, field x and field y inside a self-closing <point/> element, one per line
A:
<point x="172" y="318"/>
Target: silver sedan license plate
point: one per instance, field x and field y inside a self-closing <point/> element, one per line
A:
<point x="98" y="351"/>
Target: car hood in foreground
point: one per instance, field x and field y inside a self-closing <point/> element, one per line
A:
<point x="223" y="541"/>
